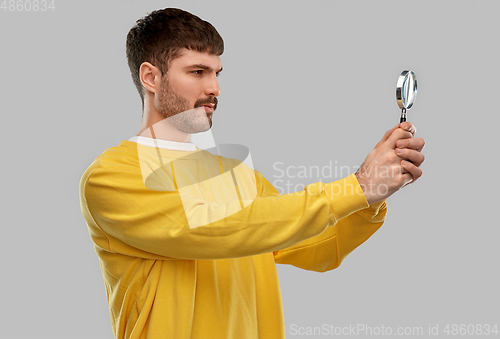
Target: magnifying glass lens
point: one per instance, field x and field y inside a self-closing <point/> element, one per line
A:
<point x="408" y="91"/>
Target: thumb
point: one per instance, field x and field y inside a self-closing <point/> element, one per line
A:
<point x="408" y="126"/>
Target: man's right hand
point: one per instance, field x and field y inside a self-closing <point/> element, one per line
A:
<point x="393" y="163"/>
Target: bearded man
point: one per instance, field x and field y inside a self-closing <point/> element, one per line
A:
<point x="188" y="241"/>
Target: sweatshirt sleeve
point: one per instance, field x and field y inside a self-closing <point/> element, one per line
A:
<point x="126" y="217"/>
<point x="327" y="250"/>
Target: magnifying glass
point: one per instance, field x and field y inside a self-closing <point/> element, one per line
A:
<point x="406" y="92"/>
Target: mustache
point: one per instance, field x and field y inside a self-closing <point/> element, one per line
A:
<point x="209" y="100"/>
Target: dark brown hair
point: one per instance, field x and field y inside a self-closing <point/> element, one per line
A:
<point x="159" y="37"/>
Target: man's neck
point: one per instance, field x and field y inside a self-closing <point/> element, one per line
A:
<point x="162" y="130"/>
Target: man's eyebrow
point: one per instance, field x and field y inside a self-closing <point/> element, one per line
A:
<point x="202" y="67"/>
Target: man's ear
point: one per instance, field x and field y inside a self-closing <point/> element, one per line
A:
<point x="150" y="76"/>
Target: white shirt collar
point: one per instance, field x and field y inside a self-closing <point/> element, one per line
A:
<point x="165" y="144"/>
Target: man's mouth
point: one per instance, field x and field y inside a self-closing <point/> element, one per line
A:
<point x="209" y="108"/>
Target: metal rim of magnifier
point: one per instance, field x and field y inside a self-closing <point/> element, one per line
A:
<point x="399" y="88"/>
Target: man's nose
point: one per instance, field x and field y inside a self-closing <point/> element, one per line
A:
<point x="212" y="86"/>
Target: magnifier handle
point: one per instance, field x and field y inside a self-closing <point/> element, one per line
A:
<point x="403" y="115"/>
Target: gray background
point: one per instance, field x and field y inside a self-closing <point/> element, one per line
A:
<point x="304" y="83"/>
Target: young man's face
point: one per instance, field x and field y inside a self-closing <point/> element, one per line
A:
<point x="188" y="94"/>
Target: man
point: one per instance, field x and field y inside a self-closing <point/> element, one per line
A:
<point x="188" y="241"/>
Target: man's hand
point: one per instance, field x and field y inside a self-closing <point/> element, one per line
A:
<point x="393" y="163"/>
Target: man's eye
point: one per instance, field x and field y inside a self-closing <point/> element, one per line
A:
<point x="198" y="72"/>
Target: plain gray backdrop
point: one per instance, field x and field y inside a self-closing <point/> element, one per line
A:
<point x="305" y="83"/>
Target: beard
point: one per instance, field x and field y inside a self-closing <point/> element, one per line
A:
<point x="180" y="114"/>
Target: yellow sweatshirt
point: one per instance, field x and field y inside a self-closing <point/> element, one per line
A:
<point x="184" y="257"/>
